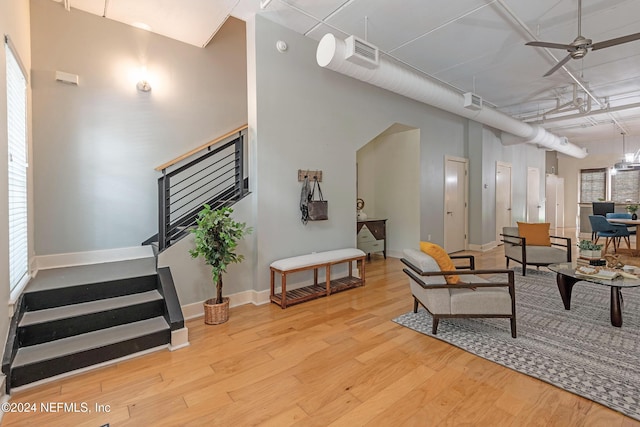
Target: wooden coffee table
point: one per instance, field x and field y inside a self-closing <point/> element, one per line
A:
<point x="566" y="277"/>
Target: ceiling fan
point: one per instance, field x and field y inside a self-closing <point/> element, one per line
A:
<point x="580" y="46"/>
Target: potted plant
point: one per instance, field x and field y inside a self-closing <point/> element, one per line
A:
<point x="216" y="239"/>
<point x="588" y="249"/>
<point x="632" y="209"/>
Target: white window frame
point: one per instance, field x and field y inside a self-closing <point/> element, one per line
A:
<point x="17" y="134"/>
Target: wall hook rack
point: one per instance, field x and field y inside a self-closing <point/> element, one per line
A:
<point x="310" y="173"/>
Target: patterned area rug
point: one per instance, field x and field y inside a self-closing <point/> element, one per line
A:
<point x="577" y="350"/>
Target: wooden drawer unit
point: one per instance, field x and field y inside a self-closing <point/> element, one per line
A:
<point x="372" y="236"/>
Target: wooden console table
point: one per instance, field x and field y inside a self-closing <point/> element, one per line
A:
<point x="372" y="236"/>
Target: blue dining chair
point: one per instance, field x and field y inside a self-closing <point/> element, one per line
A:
<point x="621" y="215"/>
<point x="611" y="232"/>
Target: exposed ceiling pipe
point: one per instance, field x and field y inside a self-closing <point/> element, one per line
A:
<point x="395" y="78"/>
<point x="588" y="114"/>
<point x="524" y="26"/>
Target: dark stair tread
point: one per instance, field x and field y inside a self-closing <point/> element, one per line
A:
<point x="75" y="310"/>
<point x="66" y="346"/>
<point x="91" y="273"/>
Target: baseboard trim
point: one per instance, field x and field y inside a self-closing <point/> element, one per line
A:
<point x="196" y="309"/>
<point x="483" y="248"/>
<point x="394" y="254"/>
<point x="179" y="339"/>
<point x="45" y="262"/>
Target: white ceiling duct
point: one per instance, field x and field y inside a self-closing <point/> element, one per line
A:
<point x="331" y="54"/>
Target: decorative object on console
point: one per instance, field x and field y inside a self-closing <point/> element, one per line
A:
<point x="216" y="240"/>
<point x="359" y="206"/>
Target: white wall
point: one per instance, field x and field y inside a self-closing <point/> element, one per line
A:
<point x="389" y="183"/>
<point x="14" y="21"/>
<point x="96" y="144"/>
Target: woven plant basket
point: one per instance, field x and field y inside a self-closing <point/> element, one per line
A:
<point x="215" y="314"/>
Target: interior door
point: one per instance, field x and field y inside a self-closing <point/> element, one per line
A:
<point x="503" y="197"/>
<point x="533" y="195"/>
<point x="455" y="204"/>
<point x="551" y="204"/>
<point x="555" y="201"/>
<point x="559" y="202"/>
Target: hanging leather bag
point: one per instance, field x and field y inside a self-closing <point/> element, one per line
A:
<point x="318" y="209"/>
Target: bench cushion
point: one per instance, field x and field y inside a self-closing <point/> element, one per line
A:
<point x="318" y="258"/>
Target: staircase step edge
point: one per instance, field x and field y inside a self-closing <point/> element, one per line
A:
<point x="76" y="310"/>
<point x="78" y="343"/>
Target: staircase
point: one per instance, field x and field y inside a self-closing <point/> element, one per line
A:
<point x="72" y="318"/>
<point x="75" y="317"/>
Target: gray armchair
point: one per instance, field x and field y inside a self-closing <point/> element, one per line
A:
<point x="516" y="249"/>
<point x="474" y="297"/>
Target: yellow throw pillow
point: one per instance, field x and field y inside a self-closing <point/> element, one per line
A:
<point x="443" y="260"/>
<point x="537" y="234"/>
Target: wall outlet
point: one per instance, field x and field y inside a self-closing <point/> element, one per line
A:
<point x="428" y="237"/>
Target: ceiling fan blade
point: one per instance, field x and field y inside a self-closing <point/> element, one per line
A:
<point x="558" y="65"/>
<point x="616" y="41"/>
<point x="550" y="45"/>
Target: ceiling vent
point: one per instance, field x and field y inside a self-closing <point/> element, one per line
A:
<point x="360" y="52"/>
<point x="472" y="101"/>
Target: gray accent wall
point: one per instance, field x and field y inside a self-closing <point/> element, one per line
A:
<point x="312" y="118"/>
<point x="96" y="144"/>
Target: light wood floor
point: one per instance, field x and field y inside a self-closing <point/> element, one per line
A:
<point x="333" y="361"/>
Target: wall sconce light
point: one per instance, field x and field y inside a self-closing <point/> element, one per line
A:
<point x="281" y="45"/>
<point x="143" y="86"/>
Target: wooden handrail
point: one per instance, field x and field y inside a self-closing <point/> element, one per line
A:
<point x="200" y="148"/>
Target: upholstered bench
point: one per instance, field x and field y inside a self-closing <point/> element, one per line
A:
<point x="314" y="261"/>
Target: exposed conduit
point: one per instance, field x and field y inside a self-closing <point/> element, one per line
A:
<point x="390" y="76"/>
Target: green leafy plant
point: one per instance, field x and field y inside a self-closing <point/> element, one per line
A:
<point x="632" y="209"/>
<point x="216" y="239"/>
<point x="588" y="245"/>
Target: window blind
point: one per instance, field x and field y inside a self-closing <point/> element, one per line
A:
<point x="17" y="175"/>
<point x="593" y="185"/>
<point x="625" y="186"/>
